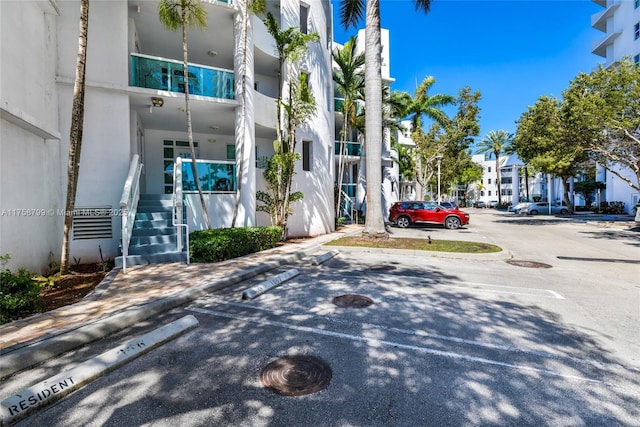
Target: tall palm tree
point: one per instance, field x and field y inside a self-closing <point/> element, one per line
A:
<point x="180" y="14"/>
<point x="349" y="79"/>
<point x="496" y="142"/>
<point x="247" y="8"/>
<point x="75" y="134"/>
<point x="351" y="12"/>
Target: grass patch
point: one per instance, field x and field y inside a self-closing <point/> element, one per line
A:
<point x="417" y="244"/>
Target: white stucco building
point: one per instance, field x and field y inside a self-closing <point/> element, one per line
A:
<point x="134" y="105"/>
<point x="619" y="23"/>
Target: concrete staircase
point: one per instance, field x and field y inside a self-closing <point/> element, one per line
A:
<point x="153" y="240"/>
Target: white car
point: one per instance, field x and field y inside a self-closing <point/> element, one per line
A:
<point x="543" y="208"/>
<point x="517" y="208"/>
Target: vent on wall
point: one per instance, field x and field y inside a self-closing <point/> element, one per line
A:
<point x="93" y="223"/>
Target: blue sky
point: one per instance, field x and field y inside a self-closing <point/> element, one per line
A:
<point x="513" y="51"/>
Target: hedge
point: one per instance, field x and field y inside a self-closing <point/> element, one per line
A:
<point x="220" y="244"/>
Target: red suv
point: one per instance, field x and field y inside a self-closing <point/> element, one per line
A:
<point x="403" y="214"/>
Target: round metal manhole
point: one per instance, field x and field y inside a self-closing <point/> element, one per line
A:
<point x="382" y="267"/>
<point x="528" y="264"/>
<point x="296" y="375"/>
<point x="352" y="301"/>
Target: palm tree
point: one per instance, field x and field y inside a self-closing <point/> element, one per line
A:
<point x="247" y="8"/>
<point x="75" y="134"/>
<point x="349" y="79"/>
<point x="351" y="12"/>
<point x="423" y="104"/>
<point x="175" y="14"/>
<point x="496" y="142"/>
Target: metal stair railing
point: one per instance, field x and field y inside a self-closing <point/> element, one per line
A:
<point x="129" y="206"/>
<point x="176" y="217"/>
<point x="349" y="207"/>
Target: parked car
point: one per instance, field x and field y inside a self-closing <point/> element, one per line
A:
<point x="404" y="214"/>
<point x="493" y="203"/>
<point x="479" y="204"/>
<point x="543" y="208"/>
<point x="518" y="208"/>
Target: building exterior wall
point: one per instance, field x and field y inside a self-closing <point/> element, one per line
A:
<point x="617" y="23"/>
<point x="30" y="196"/>
<point x="38" y="60"/>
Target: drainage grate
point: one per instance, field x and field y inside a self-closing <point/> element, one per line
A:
<point x="296" y="375"/>
<point x="528" y="264"/>
<point x="352" y="301"/>
<point x="382" y="267"/>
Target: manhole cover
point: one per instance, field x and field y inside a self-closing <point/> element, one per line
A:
<point x="382" y="267"/>
<point x="352" y="301"/>
<point x="296" y="375"/>
<point x="528" y="264"/>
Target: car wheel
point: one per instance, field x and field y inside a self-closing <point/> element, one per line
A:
<point x="564" y="212"/>
<point x="452" y="223"/>
<point x="534" y="212"/>
<point x="403" y="222"/>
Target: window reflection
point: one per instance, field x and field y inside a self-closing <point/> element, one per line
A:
<point x="214" y="176"/>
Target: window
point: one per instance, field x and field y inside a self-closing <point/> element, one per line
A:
<point x="636" y="58"/>
<point x="489" y="182"/>
<point x="231" y="152"/>
<point x="489" y="170"/>
<point x="636" y="31"/>
<point x="506" y="180"/>
<point x="481" y="193"/>
<point x="306" y="155"/>
<point x="489" y="193"/>
<point x="304" y="18"/>
<point x="637" y="4"/>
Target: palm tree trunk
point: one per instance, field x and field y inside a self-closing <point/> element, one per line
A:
<point x="374" y="223"/>
<point x="194" y="165"/>
<point x="244" y="9"/>
<point x="75" y="134"/>
<point x="497" y="154"/>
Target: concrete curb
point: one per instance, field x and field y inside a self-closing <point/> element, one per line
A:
<point x="267" y="285"/>
<point x="58" y="386"/>
<point x="504" y="254"/>
<point x="23" y="356"/>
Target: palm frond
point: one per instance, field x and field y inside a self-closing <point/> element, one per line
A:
<point x="352" y="12"/>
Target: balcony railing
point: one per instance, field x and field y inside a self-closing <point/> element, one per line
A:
<point x="338" y="102"/>
<point x="164" y="74"/>
<point x="350" y="189"/>
<point x="350" y="148"/>
<point x="216" y="176"/>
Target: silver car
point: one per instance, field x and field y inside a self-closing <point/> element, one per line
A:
<point x="543" y="208"/>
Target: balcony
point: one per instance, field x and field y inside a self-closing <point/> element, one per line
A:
<point x="165" y="74"/>
<point x="599" y="47"/>
<point x="350" y="148"/>
<point x="599" y="20"/>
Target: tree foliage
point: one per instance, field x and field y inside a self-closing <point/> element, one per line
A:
<point x="298" y="107"/>
<point x="546" y="140"/>
<point x="603" y="113"/>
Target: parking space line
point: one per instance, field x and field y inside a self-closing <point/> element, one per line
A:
<point x="420" y="333"/>
<point x="378" y="342"/>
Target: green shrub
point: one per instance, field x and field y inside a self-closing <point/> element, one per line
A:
<point x="221" y="244"/>
<point x="19" y="295"/>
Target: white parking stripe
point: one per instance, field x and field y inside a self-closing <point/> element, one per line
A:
<point x="418" y="333"/>
<point x="378" y="342"/>
<point x="470" y="286"/>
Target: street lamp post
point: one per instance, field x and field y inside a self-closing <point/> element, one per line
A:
<point x="439" y="159"/>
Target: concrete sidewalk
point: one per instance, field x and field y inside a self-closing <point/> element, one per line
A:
<point x="122" y="300"/>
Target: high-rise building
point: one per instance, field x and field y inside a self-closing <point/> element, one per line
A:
<point x="620" y="23"/>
